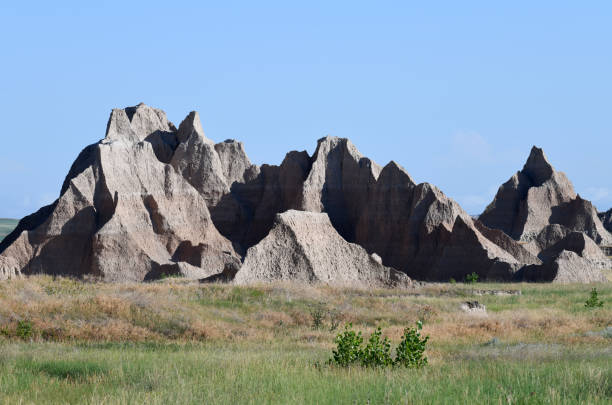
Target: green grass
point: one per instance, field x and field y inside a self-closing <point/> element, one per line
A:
<point x="175" y="341"/>
<point x="248" y="373"/>
<point x="6" y="226"/>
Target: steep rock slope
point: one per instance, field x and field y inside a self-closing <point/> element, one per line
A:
<point x="246" y="214"/>
<point x="408" y="225"/>
<point x="123" y="211"/>
<point x="429" y="235"/>
<point x="537" y="197"/>
<point x="566" y="267"/>
<point x="151" y="199"/>
<point x="305" y="247"/>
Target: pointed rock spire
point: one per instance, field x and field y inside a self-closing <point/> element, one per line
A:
<point x="135" y="124"/>
<point x="236" y="164"/>
<point x="537" y="167"/>
<point x="119" y="128"/>
<point x="189" y="126"/>
<point x="537" y="197"/>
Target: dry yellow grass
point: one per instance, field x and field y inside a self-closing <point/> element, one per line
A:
<point x="61" y="309"/>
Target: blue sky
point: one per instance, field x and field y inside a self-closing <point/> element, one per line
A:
<point x="456" y="92"/>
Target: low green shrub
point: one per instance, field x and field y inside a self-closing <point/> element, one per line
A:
<point x="593" y="301"/>
<point x="472" y="278"/>
<point x="24" y="329"/>
<point x="348" y="349"/>
<point x="410" y="352"/>
<point x="377" y="352"/>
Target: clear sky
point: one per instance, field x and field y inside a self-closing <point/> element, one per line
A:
<point x="456" y="92"/>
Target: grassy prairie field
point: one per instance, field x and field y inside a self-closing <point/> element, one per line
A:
<point x="66" y="341"/>
<point x="6" y="226"/>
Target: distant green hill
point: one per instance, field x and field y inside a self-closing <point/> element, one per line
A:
<point x="6" y="226"/>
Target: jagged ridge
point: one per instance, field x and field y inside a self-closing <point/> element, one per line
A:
<point x="150" y="199"/>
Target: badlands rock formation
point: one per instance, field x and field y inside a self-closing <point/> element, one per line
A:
<point x="123" y="212"/>
<point x="539" y="207"/>
<point x="150" y="199"/>
<point x="413" y="228"/>
<point x="382" y="209"/>
<point x="537" y="197"/>
<point x="305" y="247"/>
<point x="567" y="267"/>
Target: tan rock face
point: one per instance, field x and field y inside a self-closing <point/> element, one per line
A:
<point x="305" y="247"/>
<point x="246" y="214"/>
<point x="123" y="212"/>
<point x="567" y="267"/>
<point x="150" y="200"/>
<point x="518" y="251"/>
<point x="580" y="244"/>
<point x="407" y="226"/>
<point x="9" y="268"/>
<point x="539" y="196"/>
<point x="196" y="159"/>
<point x="235" y="163"/>
<point x="339" y="183"/>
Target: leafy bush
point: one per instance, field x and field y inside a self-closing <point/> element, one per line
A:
<point x="410" y="351"/>
<point x="593" y="301"/>
<point x="452" y="281"/>
<point x="472" y="278"/>
<point x="348" y="347"/>
<point x="377" y="353"/>
<point x="24" y="329"/>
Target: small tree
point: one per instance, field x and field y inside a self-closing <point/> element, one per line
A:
<point x="593" y="301"/>
<point x="348" y="347"/>
<point x="410" y="351"/>
<point x="377" y="352"/>
<point x="472" y="278"/>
